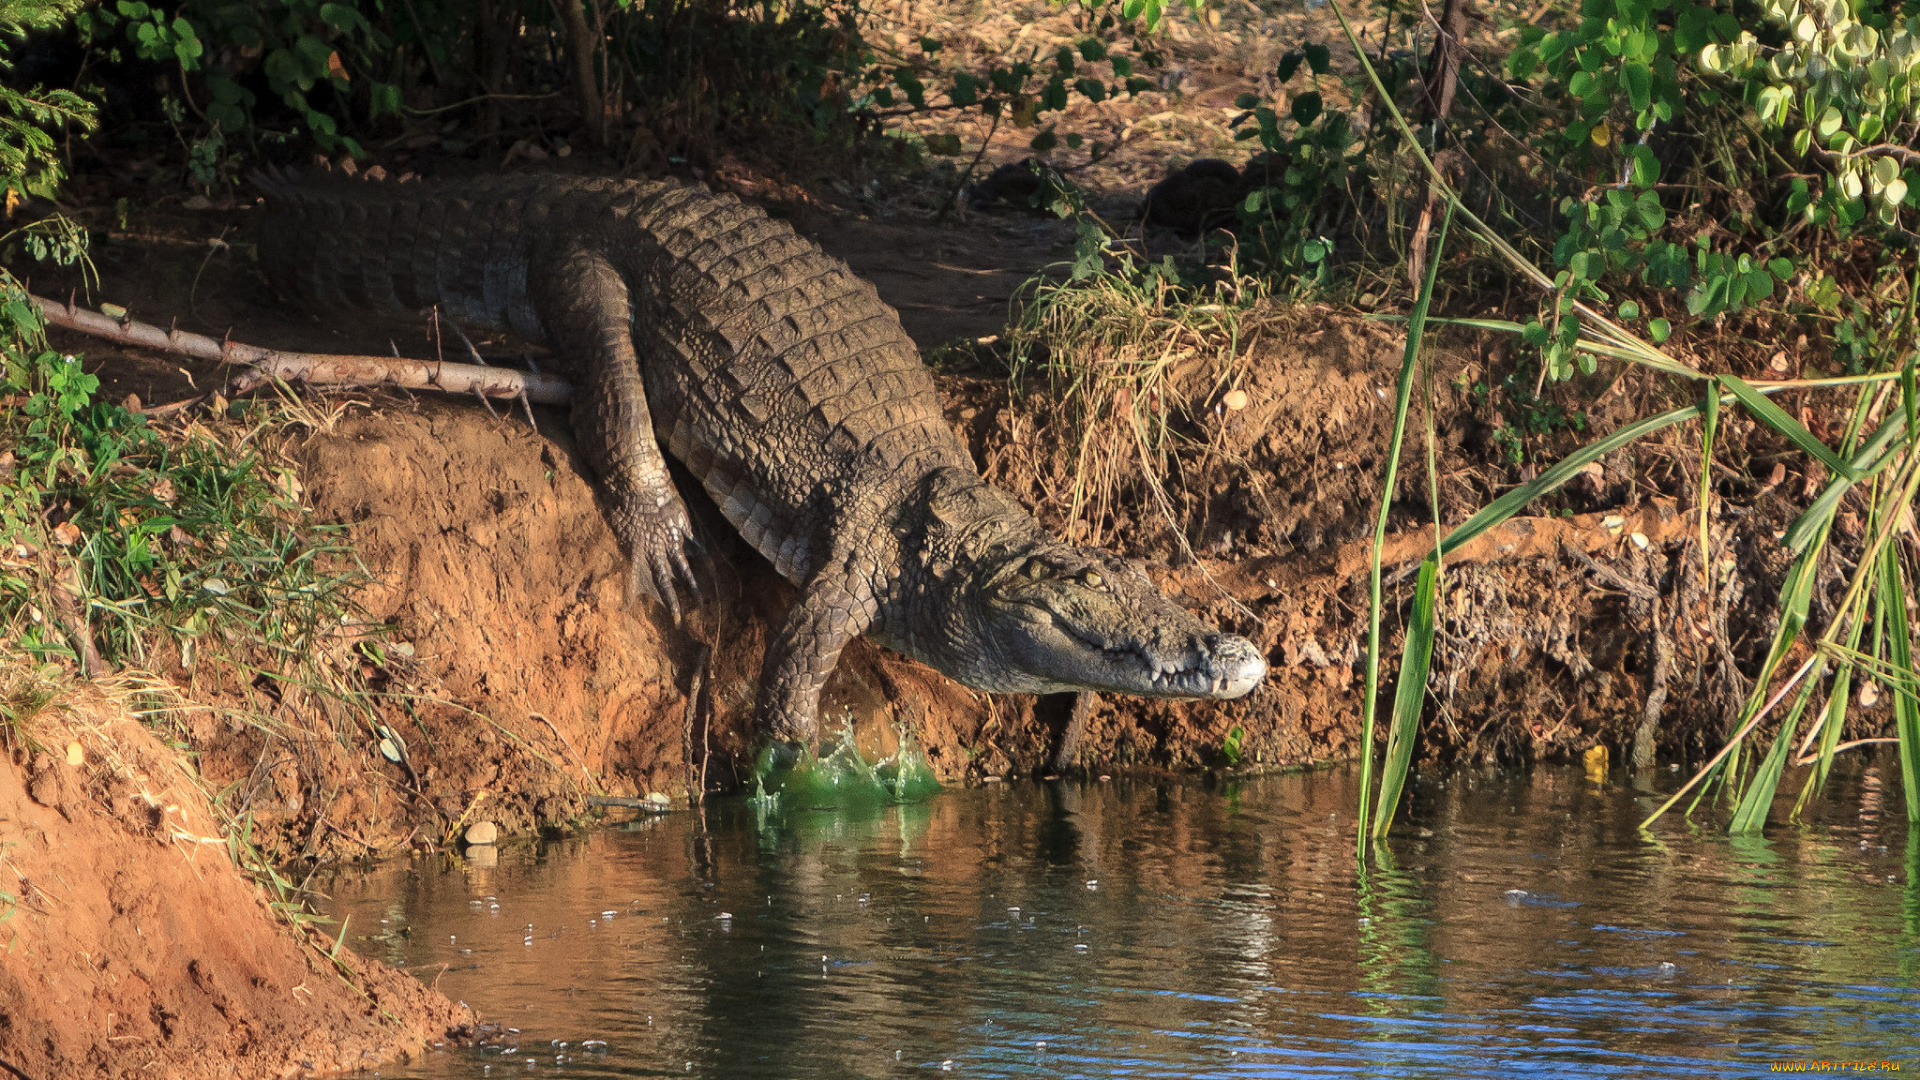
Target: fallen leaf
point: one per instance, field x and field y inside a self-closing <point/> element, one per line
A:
<point x="66" y="534"/>
<point x="163" y="490"/>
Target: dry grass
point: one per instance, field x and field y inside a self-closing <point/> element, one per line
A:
<point x="1130" y="359"/>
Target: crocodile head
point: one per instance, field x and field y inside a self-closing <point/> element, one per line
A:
<point x="1067" y="618"/>
<point x="1004" y="607"/>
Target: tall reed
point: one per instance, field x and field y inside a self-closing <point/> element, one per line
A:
<point x="1886" y="462"/>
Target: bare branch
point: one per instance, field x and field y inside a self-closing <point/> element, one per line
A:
<point x="317" y="368"/>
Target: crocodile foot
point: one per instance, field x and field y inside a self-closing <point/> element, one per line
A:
<point x="657" y="536"/>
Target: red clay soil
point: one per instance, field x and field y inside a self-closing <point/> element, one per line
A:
<point x="132" y="947"/>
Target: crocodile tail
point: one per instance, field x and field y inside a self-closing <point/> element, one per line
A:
<point x="338" y="243"/>
<point x="274" y="181"/>
<point x="302" y="246"/>
<point x="462" y="247"/>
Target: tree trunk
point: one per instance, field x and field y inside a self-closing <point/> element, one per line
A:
<point x="1443" y="77"/>
<point x="584" y="45"/>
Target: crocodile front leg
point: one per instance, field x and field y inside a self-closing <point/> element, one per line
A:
<point x="584" y="305"/>
<point x="832" y="609"/>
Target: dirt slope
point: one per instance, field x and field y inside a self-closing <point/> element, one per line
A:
<point x="132" y="947"/>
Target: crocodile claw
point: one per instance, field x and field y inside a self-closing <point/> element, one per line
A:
<point x="657" y="540"/>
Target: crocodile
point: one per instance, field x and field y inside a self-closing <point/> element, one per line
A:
<point x="780" y="381"/>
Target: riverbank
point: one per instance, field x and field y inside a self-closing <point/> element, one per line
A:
<point x="482" y="666"/>
<point x="130" y="943"/>
<point x="493" y="640"/>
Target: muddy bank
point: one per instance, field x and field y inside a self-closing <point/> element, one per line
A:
<point x="526" y="685"/>
<point x="130" y="946"/>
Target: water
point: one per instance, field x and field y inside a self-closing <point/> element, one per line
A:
<point x="1174" y="929"/>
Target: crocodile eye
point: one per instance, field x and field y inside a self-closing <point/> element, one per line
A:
<point x="1093" y="578"/>
<point x="1035" y="569"/>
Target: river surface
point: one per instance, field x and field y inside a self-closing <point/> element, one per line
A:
<point x="1518" y="925"/>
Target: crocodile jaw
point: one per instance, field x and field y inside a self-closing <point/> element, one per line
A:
<point x="989" y="599"/>
<point x="1067" y="618"/>
<point x="1047" y="654"/>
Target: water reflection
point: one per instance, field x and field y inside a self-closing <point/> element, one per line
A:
<point x="1517" y="922"/>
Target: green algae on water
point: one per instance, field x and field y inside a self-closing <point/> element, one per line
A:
<point x="843" y="779"/>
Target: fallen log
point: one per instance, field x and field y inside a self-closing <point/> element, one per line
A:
<point x="316" y="368"/>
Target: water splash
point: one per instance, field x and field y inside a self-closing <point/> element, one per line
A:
<point x="843" y="779"/>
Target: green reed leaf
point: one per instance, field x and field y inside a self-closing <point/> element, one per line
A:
<point x="1906" y="711"/>
<point x="1416" y="657"/>
<point x="1776" y="418"/>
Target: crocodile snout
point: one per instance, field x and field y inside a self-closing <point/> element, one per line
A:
<point x="1234" y="666"/>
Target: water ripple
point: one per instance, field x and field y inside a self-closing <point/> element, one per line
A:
<point x="1517" y="923"/>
